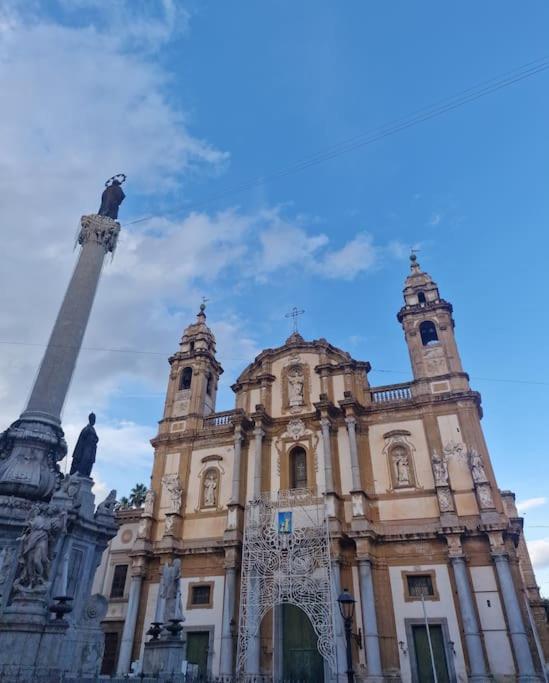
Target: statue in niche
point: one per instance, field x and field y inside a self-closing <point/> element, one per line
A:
<point x="113" y="195"/>
<point x="440" y="469"/>
<point x="148" y="505"/>
<point x="85" y="450"/>
<point x="402" y="466"/>
<point x="170" y="590"/>
<point x="38" y="540"/>
<point x="477" y="467"/>
<point x="209" y="495"/>
<point x="296" y="385"/>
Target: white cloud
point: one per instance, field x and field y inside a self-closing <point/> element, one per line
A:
<point x="539" y="553"/>
<point x="356" y="256"/>
<point x="435" y="219"/>
<point x="84" y="103"/>
<point x="529" y="503"/>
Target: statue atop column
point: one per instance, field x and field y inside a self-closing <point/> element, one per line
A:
<point x="85" y="450"/>
<point x="112" y="196"/>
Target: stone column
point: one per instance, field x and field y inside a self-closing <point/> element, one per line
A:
<point x="227" y="646"/>
<point x="353" y="448"/>
<point x="369" y="618"/>
<point x="128" y="634"/>
<point x="258" y="434"/>
<point x="517" y="630"/>
<point x="471" y="629"/>
<point x="253" y="654"/>
<point x="327" y="446"/>
<point x="235" y="492"/>
<point x="341" y="646"/>
<point x="97" y="236"/>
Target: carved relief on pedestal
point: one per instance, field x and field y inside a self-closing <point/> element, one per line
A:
<point x="399" y="451"/>
<point x="435" y="361"/>
<point x="485" y="498"/>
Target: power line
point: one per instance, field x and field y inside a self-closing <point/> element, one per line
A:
<point x="166" y="354"/>
<point x="416" y="117"/>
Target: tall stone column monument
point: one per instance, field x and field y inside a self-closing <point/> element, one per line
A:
<point x="51" y="535"/>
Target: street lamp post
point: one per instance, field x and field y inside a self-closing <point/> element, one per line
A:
<point x="347" y="608"/>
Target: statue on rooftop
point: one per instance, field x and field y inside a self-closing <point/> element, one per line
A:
<point x="83" y="457"/>
<point x="112" y="196"/>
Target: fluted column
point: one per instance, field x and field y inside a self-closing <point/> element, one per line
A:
<point x="128" y="634"/>
<point x="258" y="446"/>
<point x="235" y="492"/>
<point x="353" y="449"/>
<point x="517" y="629"/>
<point x="369" y="618"/>
<point x="327" y="447"/>
<point x="471" y="630"/>
<point x="227" y="646"/>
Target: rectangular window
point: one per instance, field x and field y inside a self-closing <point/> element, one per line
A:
<point x="200" y="595"/>
<point x="119" y="581"/>
<point x="420" y="585"/>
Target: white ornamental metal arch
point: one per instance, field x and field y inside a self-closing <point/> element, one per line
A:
<point x="286" y="559"/>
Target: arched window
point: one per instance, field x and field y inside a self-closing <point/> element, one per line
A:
<point x="210" y="384"/>
<point x="191" y="346"/>
<point x="421" y="297"/>
<point x="298" y="468"/>
<point x="428" y="332"/>
<point x="185" y="379"/>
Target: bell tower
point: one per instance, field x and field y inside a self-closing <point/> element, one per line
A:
<point x="195" y="373"/>
<point x="429" y="330"/>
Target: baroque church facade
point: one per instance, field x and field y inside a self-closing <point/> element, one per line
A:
<point x="315" y="482"/>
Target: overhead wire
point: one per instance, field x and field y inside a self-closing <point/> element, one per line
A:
<point x="416" y="117"/>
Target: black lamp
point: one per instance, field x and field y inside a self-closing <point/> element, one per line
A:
<point x="346" y="604"/>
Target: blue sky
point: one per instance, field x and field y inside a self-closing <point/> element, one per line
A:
<point x="194" y="99"/>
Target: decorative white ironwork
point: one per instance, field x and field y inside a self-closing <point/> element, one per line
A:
<point x="286" y="562"/>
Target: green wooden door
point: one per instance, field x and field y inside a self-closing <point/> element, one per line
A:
<point x="197" y="650"/>
<point x="301" y="660"/>
<point x="423" y="656"/>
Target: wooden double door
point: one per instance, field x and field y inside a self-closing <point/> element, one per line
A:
<point x="301" y="660"/>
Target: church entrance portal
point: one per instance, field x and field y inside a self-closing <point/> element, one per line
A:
<point x="301" y="660"/>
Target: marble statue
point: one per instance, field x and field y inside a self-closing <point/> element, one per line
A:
<point x="85" y="450"/>
<point x="148" y="505"/>
<point x="170" y="590"/>
<point x="477" y="468"/>
<point x="38" y="540"/>
<point x="296" y="384"/>
<point x="210" y="489"/>
<point x="173" y="485"/>
<point x="108" y="505"/>
<point x="440" y="469"/>
<point x="402" y="466"/>
<point x="113" y="195"/>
